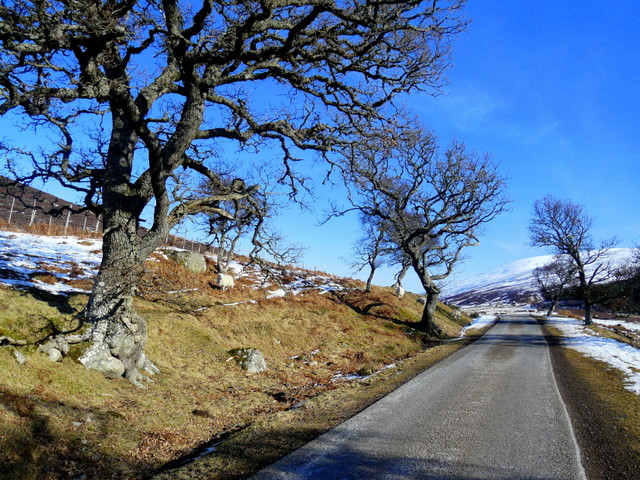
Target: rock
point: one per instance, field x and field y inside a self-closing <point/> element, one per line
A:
<point x="56" y="349"/>
<point x="249" y="359"/>
<point x="422" y="300"/>
<point x="99" y="358"/>
<point x="20" y="358"/>
<point x="194" y="262"/>
<point x="55" y="355"/>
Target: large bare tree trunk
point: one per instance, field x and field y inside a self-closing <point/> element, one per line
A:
<point x="118" y="334"/>
<point x="585" y="289"/>
<point x="588" y="313"/>
<point x="370" y="279"/>
<point x="427" y="322"/>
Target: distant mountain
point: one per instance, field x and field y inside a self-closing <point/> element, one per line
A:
<point x="510" y="283"/>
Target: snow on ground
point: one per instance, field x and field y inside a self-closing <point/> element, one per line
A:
<point x="479" y="322"/>
<point x="622" y="356"/>
<point x="23" y="256"/>
<point x="632" y="326"/>
<point x="67" y="258"/>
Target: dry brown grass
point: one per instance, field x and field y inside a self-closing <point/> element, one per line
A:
<point x="608" y="385"/>
<point x="50" y="230"/>
<point x="59" y="420"/>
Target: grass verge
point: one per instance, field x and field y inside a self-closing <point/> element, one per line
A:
<point x="260" y="444"/>
<point x="61" y="421"/>
<point x="605" y="416"/>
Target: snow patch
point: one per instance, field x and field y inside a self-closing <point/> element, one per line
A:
<point x="480" y="322"/>
<point x="621" y="356"/>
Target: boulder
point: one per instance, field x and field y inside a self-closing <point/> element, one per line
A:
<point x="56" y="349"/>
<point x="194" y="262"/>
<point x="249" y="359"/>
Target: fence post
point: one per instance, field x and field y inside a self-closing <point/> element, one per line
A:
<point x="33" y="213"/>
<point x="66" y="224"/>
<point x="13" y="202"/>
<point x="97" y="223"/>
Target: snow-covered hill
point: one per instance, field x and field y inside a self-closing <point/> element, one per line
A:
<point x="509" y="283"/>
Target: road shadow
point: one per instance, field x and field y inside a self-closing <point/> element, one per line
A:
<point x="513" y="340"/>
<point x="344" y="460"/>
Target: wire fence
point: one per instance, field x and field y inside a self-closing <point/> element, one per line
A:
<point x="25" y="208"/>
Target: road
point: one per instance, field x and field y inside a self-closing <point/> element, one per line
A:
<point x="490" y="411"/>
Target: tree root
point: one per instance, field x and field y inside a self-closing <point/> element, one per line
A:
<point x="58" y="347"/>
<point x="4" y="340"/>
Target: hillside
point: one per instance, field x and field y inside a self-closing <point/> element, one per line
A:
<point x="329" y="348"/>
<point x="510" y="283"/>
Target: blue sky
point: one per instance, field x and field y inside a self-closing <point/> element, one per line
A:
<point x="551" y="90"/>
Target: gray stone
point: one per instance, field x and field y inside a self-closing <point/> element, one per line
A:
<point x="20" y="358"/>
<point x="249" y="359"/>
<point x="194" y="262"/>
<point x="56" y="349"/>
<point x="225" y="281"/>
<point x="55" y="355"/>
<point x="99" y="358"/>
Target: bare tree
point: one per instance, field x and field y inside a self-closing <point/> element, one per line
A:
<point x="432" y="204"/>
<point x="135" y="89"/>
<point x="565" y="228"/>
<point x="368" y="250"/>
<point x="553" y="279"/>
<point x="249" y="221"/>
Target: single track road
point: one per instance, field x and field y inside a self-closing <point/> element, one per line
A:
<point x="490" y="411"/>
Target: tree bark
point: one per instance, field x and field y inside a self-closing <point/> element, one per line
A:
<point x="427" y="322"/>
<point x="585" y="288"/>
<point x="401" y="274"/>
<point x="588" y="313"/>
<point x="370" y="279"/>
<point x="118" y="334"/>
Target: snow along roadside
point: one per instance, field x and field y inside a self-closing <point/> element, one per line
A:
<point x="479" y="322"/>
<point x="619" y="355"/>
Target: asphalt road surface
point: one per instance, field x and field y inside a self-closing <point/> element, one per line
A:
<point x="492" y="410"/>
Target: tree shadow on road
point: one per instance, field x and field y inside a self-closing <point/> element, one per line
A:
<point x="246" y="457"/>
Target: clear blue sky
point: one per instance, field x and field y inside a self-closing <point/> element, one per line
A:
<point x="551" y="90"/>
